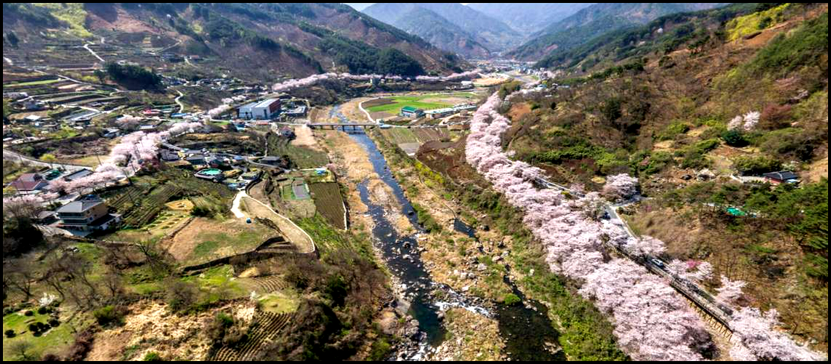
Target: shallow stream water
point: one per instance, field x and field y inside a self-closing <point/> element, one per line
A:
<point x="525" y="328"/>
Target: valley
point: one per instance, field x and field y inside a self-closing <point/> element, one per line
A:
<point x="415" y="182"/>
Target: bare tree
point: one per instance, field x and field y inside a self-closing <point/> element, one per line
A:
<point x="114" y="284"/>
<point x="18" y="276"/>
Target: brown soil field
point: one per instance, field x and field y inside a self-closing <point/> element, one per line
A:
<point x="377" y="102"/>
<point x="243" y="238"/>
<point x="150" y="327"/>
<point x="305" y="138"/>
<point x="329" y="203"/>
<point x="518" y="110"/>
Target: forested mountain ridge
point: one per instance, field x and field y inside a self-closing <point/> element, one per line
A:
<point x="267" y="40"/>
<point x="461" y="24"/>
<point x="699" y="111"/>
<point x="596" y="20"/>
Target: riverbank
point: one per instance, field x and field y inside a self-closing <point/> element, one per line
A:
<point x="583" y="333"/>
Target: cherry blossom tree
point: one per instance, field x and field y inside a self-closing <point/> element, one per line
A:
<point x="751" y="119"/>
<point x="697" y="271"/>
<point x="128" y="122"/>
<point x="735" y="123"/>
<point x="652" y="321"/>
<point x="747" y="121"/>
<point x="755" y="337"/>
<point x="620" y="187"/>
<point x="730" y="291"/>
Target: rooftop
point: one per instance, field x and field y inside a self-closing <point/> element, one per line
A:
<point x="781" y="175"/>
<point x="84" y="204"/>
<point x="265" y="102"/>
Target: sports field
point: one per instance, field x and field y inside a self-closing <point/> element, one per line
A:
<point x="394" y="104"/>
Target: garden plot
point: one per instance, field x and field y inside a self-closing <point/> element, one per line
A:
<point x="329" y="203"/>
<point x="409" y="140"/>
<point x="206" y="239"/>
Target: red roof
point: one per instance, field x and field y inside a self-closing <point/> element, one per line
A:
<point x="29" y="182"/>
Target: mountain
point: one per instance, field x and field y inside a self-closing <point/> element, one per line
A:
<point x="529" y="18"/>
<point x="661" y="35"/>
<point x="263" y="41"/>
<point x="450" y="26"/>
<point x="595" y="20"/>
<point x="740" y="90"/>
<point x="430" y="26"/>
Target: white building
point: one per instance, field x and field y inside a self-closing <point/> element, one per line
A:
<point x="261" y="110"/>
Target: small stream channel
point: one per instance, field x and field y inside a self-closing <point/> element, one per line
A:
<point x="525" y="328"/>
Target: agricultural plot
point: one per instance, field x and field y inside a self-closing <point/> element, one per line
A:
<point x="268" y="328"/>
<point x="302" y="157"/>
<point x="329" y="203"/>
<point x="409" y="140"/>
<point x="205" y="239"/>
<point x="165" y="223"/>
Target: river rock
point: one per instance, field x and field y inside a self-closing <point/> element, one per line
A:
<point x="531" y="272"/>
<point x="497" y="258"/>
<point x="482" y="267"/>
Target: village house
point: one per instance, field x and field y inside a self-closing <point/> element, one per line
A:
<point x="29" y="182"/>
<point x="411" y="112"/>
<point x="86" y="214"/>
<point x="780" y="177"/>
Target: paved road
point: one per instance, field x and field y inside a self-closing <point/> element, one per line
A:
<point x="86" y="46"/>
<point x="181" y="106"/>
<point x="17" y="157"/>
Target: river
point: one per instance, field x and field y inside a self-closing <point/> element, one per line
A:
<point x="525" y="328"/>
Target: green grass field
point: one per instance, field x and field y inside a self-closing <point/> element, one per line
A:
<point x="413" y="101"/>
<point x="32" y="83"/>
<point x="57" y="338"/>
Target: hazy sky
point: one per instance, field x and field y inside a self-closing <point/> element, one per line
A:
<point x="362" y="6"/>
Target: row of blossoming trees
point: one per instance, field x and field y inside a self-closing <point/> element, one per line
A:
<point x="125" y="156"/>
<point x="652" y="321"/>
<point x="313" y="79"/>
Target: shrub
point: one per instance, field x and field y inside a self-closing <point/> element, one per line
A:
<point x="611" y="109"/>
<point x="657" y="162"/>
<point x="28" y="313"/>
<point x="734" y="138"/>
<point x="224" y="319"/>
<point x="511" y="299"/>
<point x="33" y="327"/>
<point x="756" y="165"/>
<point x="10" y="334"/>
<point x="776" y="117"/>
<point x="82" y="345"/>
<point x="152" y="356"/>
<point x="107" y="315"/>
<point x="53" y="321"/>
<point x="791" y="142"/>
<point x="673" y="129"/>
<point x="42" y="310"/>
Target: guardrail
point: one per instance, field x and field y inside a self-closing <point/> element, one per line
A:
<point x="688" y="289"/>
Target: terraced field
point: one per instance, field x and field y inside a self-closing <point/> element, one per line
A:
<point x="269" y="326"/>
<point x="329" y="203"/>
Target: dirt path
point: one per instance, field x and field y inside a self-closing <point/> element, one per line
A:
<point x="305" y="138"/>
<point x="293" y="233"/>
